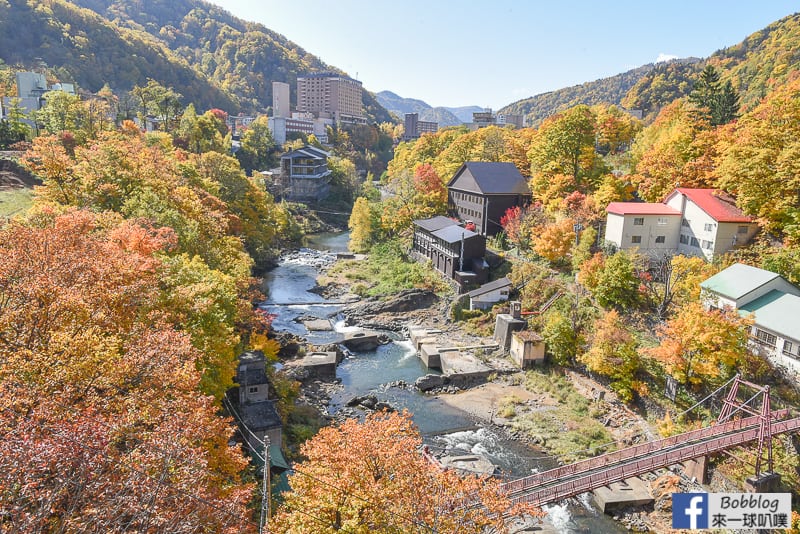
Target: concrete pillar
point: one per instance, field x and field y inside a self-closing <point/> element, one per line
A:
<point x="764" y="483"/>
<point x="504" y="326"/>
<point x="697" y="468"/>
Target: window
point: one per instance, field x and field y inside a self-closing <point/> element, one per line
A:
<point x="708" y="227"/>
<point x="662" y="221"/>
<point x="787" y="348"/>
<point x="684" y="239"/>
<point x="636" y="239"/>
<point x="708" y="245"/>
<point x="694" y="242"/>
<point x="685" y="223"/>
<point x="660" y="239"/>
<point x="638" y="221"/>
<point x="252" y="389"/>
<point x="765" y="338"/>
<point x="742" y="230"/>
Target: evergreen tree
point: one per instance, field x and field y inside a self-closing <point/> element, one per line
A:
<point x="717" y="102"/>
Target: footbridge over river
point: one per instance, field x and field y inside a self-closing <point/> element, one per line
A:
<point x="739" y="423"/>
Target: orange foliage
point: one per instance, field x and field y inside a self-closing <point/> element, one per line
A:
<point x="103" y="426"/>
<point x="370" y="477"/>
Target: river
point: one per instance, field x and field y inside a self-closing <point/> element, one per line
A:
<point x="444" y="428"/>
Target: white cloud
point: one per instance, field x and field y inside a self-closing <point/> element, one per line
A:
<point x="665" y="57"/>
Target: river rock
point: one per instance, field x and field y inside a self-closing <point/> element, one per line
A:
<point x="429" y="382"/>
<point x="384" y="406"/>
<point x="405" y="301"/>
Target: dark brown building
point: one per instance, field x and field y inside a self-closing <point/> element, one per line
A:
<point x="481" y="192"/>
<point x="452" y="249"/>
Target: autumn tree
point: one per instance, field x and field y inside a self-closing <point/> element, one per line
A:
<point x="612" y="353"/>
<point x="161" y="102"/>
<point x="361" y="225"/>
<point x="102" y="420"/>
<point x="701" y="347"/>
<point x="671" y="281"/>
<point x="370" y="477"/>
<point x="565" y="144"/>
<point x="554" y="241"/>
<point x="759" y="162"/>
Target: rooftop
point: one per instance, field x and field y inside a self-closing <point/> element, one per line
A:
<point x="776" y="311"/>
<point x="491" y="286"/>
<point x="490" y="178"/>
<point x="718" y="204"/>
<point x="641" y="208"/>
<point x="307" y="151"/>
<point x="260" y="415"/>
<point x="738" y="280"/>
<point x="434" y="223"/>
<point x="453" y="234"/>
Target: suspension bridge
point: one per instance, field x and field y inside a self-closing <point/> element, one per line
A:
<point x="739" y="423"/>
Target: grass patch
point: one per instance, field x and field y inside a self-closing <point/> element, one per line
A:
<point x="568" y="430"/>
<point x="388" y="270"/>
<point x="15" y="201"/>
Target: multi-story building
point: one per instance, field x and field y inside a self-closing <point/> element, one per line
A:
<point x="414" y="128"/>
<point x="331" y="96"/>
<point x="692" y="222"/>
<point x="304" y="174"/>
<point x="770" y="300"/>
<point x="452" y="249"/>
<point x="280" y="99"/>
<point x="481" y="192"/>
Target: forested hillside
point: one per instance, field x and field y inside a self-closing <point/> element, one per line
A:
<point x="758" y="64"/>
<point x="604" y="91"/>
<point x="210" y="57"/>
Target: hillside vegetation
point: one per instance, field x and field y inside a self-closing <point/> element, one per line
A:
<point x="210" y="57"/>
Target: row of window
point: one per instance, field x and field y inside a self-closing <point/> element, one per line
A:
<point x="639" y="221"/>
<point x="457" y="195"/>
<point x="771" y="340"/>
<point x="637" y="239"/>
<point x="475" y="214"/>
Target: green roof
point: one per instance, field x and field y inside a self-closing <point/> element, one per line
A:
<point x="776" y="311"/>
<point x="276" y="458"/>
<point x="738" y="280"/>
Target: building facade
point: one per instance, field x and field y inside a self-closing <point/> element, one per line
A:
<point x="414" y="128"/>
<point x="254" y="409"/>
<point x="770" y="300"/>
<point x="453" y="250"/>
<point x="280" y="100"/>
<point x="482" y="192"/>
<point x="331" y="96"/>
<point x="305" y="175"/>
<point x="692" y="222"/>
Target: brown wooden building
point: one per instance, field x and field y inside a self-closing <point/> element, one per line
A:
<point x="452" y="249"/>
<point x="481" y="192"/>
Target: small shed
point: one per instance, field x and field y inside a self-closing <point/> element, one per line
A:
<point x="489" y="294"/>
<point x="527" y="348"/>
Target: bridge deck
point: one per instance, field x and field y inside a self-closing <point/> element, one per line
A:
<point x="574" y="479"/>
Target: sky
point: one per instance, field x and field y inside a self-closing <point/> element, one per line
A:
<point x="492" y="53"/>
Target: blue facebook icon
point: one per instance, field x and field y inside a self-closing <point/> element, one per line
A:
<point x="690" y="510"/>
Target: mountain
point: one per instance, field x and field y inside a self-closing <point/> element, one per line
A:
<point x="765" y="59"/>
<point x="211" y="57"/>
<point x="464" y="113"/>
<point x="609" y="90"/>
<point x="445" y="116"/>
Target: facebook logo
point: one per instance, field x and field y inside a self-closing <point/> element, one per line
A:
<point x="690" y="510"/>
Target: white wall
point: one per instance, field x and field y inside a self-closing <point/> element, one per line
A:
<point x="726" y="233"/>
<point x="620" y="230"/>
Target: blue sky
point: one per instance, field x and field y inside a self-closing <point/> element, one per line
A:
<point x="492" y="53"/>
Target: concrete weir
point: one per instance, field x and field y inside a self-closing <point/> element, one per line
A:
<point x="321" y="365"/>
<point x="461" y="368"/>
<point x="362" y="340"/>
<point x="629" y="492"/>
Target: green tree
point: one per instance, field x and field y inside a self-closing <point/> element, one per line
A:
<point x="717" y="102"/>
<point x="15" y="118"/>
<point x="257" y="152"/>
<point x="618" y="285"/>
<point x="159" y="101"/>
<point x="61" y="112"/>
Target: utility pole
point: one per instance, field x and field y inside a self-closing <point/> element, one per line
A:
<point x="265" y="495"/>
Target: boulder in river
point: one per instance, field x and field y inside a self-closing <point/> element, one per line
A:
<point x="430" y="381"/>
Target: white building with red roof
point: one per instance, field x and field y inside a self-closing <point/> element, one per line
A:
<point x="692" y="222"/>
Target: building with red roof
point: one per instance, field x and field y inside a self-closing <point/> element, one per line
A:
<point x="692" y="222"/>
